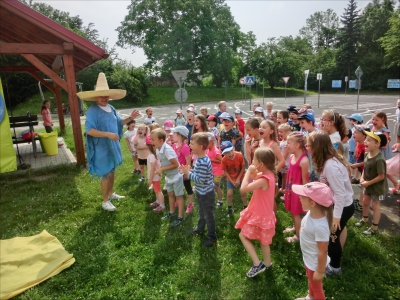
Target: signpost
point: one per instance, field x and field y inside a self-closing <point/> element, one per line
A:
<point x="250" y="81"/>
<point x="286" y="80"/>
<point x="181" y="94"/>
<point x="346" y="79"/>
<point x="359" y="73"/>
<point x="242" y="81"/>
<point x="306" y="72"/>
<point x="319" y="78"/>
<point x="352" y="84"/>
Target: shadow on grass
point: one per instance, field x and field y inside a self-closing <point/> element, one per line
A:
<point x="34" y="198"/>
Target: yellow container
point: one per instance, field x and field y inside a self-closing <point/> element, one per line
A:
<point x="49" y="143"/>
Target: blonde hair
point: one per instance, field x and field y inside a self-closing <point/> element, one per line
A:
<point x="144" y="126"/>
<point x="299" y="138"/>
<point x="159" y="133"/>
<point x="148" y="109"/>
<point x="285" y="127"/>
<point x="201" y="138"/>
<point x="269" y="103"/>
<point x="338" y="122"/>
<point x="308" y="106"/>
<point x="204" y="108"/>
<point x="220" y="103"/>
<point x="153" y="126"/>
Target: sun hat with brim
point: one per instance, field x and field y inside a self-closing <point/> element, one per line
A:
<point x="259" y="109"/>
<point x="316" y="191"/>
<point x="356" y="117"/>
<point x="102" y="90"/>
<point x="191" y="109"/>
<point x="307" y="116"/>
<point x="179" y="111"/>
<point x="182" y="130"/>
<point x="226" y="146"/>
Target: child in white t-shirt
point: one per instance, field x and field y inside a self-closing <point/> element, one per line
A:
<point x="129" y="135"/>
<point x="317" y="198"/>
<point x="149" y="119"/>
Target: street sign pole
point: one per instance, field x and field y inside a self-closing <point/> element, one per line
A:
<point x="285" y="90"/>
<point x="180" y="86"/>
<point x="346" y="79"/>
<point x="285" y="80"/>
<point x="319" y="90"/>
<point x="250" y="96"/>
<point x="306" y="72"/>
<point x="359" y="73"/>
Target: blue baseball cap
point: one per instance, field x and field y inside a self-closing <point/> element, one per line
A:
<point x="226" y="146"/>
<point x="307" y="116"/>
<point x="238" y="112"/>
<point x="228" y="117"/>
<point x="356" y="117"/>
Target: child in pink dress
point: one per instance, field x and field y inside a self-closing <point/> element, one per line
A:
<point x="257" y="221"/>
<point x="297" y="174"/>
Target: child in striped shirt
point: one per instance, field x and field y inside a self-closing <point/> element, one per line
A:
<point x="203" y="180"/>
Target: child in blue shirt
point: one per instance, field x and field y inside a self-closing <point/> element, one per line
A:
<point x="203" y="179"/>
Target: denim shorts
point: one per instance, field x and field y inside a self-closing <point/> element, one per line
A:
<point x="352" y="158"/>
<point x="230" y="186"/>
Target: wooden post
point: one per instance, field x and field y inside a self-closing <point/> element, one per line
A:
<point x="73" y="104"/>
<point x="57" y="92"/>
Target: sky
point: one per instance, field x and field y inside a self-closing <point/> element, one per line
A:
<point x="265" y="18"/>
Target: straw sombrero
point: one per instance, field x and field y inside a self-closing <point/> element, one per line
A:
<point x="102" y="90"/>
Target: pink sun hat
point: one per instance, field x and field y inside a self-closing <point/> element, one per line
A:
<point x="316" y="191"/>
<point x="168" y="124"/>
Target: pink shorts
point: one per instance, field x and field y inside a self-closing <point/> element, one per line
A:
<point x="156" y="186"/>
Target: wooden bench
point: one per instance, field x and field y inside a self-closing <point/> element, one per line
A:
<point x="25" y="121"/>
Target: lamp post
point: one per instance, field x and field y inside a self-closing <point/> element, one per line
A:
<point x="306" y="72"/>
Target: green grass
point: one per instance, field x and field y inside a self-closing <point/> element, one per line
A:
<point x="133" y="254"/>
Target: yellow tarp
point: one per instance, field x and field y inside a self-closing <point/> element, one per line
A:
<point x="27" y="261"/>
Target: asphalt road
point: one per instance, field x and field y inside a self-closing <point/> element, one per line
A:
<point x="345" y="105"/>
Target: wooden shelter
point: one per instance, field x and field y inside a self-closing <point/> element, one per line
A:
<point x="49" y="48"/>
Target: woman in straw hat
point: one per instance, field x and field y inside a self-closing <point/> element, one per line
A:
<point x="103" y="132"/>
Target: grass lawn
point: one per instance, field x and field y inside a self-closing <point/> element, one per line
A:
<point x="133" y="254"/>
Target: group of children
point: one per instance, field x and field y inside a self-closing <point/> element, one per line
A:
<point x="276" y="148"/>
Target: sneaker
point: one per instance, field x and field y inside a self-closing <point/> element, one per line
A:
<point x="209" y="242"/>
<point x="355" y="181"/>
<point x="154" y="204"/>
<point x="115" y="196"/>
<point x="357" y="204"/>
<point x="360" y="223"/>
<point x="159" y="208"/>
<point x="308" y="297"/>
<point x="229" y="212"/>
<point x="370" y="231"/>
<point x="330" y="271"/>
<point x="177" y="222"/>
<point x="195" y="232"/>
<point x="255" y="270"/>
<point x="189" y="208"/>
<point x="108" y="206"/>
<point x="168" y="216"/>
<point x="219" y="203"/>
<point x="142" y="179"/>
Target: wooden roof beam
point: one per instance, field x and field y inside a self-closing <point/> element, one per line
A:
<point x="18" y="69"/>
<point x="23" y="48"/>
<point x="42" y="81"/>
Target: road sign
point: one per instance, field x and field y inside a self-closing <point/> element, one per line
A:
<point x="180" y="74"/>
<point x="359" y="72"/>
<point x="250" y="80"/>
<point x="242" y="80"/>
<point x="178" y="95"/>
<point x="393" y="84"/>
<point x="319" y="76"/>
<point x="352" y="84"/>
<point x="286" y="79"/>
<point x="336" y="83"/>
<point x="346" y="79"/>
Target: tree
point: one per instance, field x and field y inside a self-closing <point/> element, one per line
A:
<point x="198" y="35"/>
<point x="321" y="29"/>
<point x="348" y="38"/>
<point x="391" y="41"/>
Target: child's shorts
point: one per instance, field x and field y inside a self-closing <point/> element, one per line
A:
<point x="374" y="197"/>
<point x="284" y="170"/>
<point x="142" y="162"/>
<point x="230" y="186"/>
<point x="176" y="187"/>
<point x="217" y="180"/>
<point x="352" y="158"/>
<point x="156" y="186"/>
<point x="134" y="153"/>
